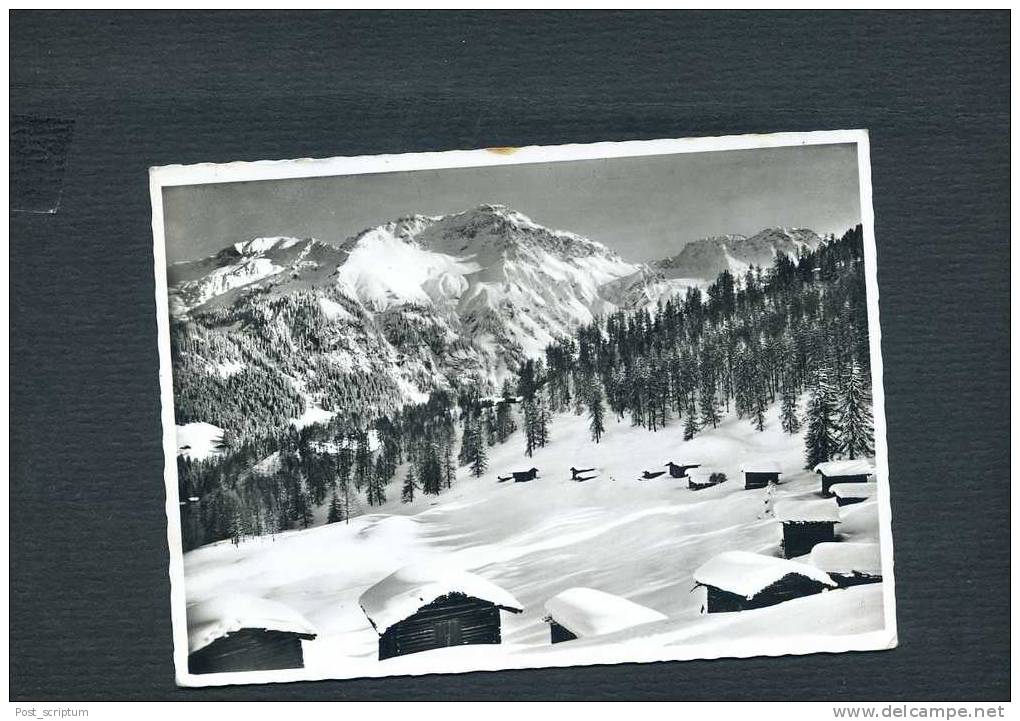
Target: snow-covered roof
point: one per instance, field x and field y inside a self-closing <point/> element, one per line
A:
<point x="589" y="612"/>
<point x="847" y="558"/>
<point x="812" y="510"/>
<point x="854" y="490"/>
<point x="747" y="574"/>
<point x="219" y="616"/>
<point x="406" y="590"/>
<point x="761" y="467"/>
<point x="857" y="467"/>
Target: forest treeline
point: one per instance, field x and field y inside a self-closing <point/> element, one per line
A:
<point x="795" y="333"/>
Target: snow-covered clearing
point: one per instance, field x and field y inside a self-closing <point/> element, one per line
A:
<point x="198" y="441"/>
<point x="641" y="540"/>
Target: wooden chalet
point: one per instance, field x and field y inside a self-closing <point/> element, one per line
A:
<point x="833" y="472"/>
<point x="701" y="478"/>
<point x="741" y="581"/>
<point x="849" y="564"/>
<point x="679" y="470"/>
<point x="806" y="523"/>
<point x="245" y="633"/>
<point x="849" y="493"/>
<point x="582" y="612"/>
<point x="424" y="607"/>
<point x="758" y="474"/>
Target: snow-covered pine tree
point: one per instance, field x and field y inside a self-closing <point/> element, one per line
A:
<point x="362" y="461"/>
<point x="336" y="511"/>
<point x="708" y="403"/>
<point x="856" y="433"/>
<point x="788" y="409"/>
<point x="530" y="426"/>
<point x="477" y="455"/>
<point x="690" y="420"/>
<point x="430" y="473"/>
<point x="490" y="426"/>
<point x="543" y="420"/>
<point x="596" y="412"/>
<point x="821" y="441"/>
<point x="409" y="487"/>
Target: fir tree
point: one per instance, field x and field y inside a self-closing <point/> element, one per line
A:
<point x="530" y="426"/>
<point x="409" y="487"/>
<point x="596" y="412"/>
<point x="788" y="410"/>
<point x="821" y="442"/>
<point x="708" y="403"/>
<point x="336" y="511"/>
<point x="856" y="434"/>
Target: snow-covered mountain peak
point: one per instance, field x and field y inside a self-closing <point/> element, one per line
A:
<point x="260" y="246"/>
<point x="707" y="257"/>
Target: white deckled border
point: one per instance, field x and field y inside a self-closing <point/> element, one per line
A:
<point x="205" y="173"/>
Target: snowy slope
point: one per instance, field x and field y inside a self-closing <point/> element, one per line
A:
<point x="641" y="540"/>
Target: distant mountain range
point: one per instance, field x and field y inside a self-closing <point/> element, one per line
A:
<point x="423" y="302"/>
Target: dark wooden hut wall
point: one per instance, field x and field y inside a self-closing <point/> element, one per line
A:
<point x="759" y="480"/>
<point x="800" y="538"/>
<point x="452" y="620"/>
<point x="785" y="589"/>
<point x="250" y="649"/>
<point x="829" y="481"/>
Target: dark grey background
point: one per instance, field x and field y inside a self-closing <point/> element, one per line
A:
<point x="89" y="592"/>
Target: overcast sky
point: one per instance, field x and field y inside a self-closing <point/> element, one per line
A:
<point x="644" y="208"/>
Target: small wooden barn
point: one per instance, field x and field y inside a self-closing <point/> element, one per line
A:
<point x="679" y="470"/>
<point x="758" y="474"/>
<point x="245" y="633"/>
<point x="806" y="523"/>
<point x="847" y="494"/>
<point x="701" y="478"/>
<point x="582" y="612"/>
<point x="833" y="472"/>
<point x="427" y="606"/>
<point x="741" y="581"/>
<point x="849" y="564"/>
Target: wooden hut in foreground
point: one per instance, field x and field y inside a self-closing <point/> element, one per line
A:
<point x="245" y="633"/>
<point x="849" y="564"/>
<point x="833" y="472"/>
<point x="582" y="612"/>
<point x="700" y="478"/>
<point x="741" y="581"/>
<point x="847" y="494"/>
<point x="426" y="606"/>
<point x="758" y="474"/>
<point x="806" y="523"/>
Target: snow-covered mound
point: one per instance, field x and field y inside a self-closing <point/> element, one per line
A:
<point x="865" y="558"/>
<point x="405" y="591"/>
<point x="807" y="510"/>
<point x="853" y="491"/>
<point x="590" y="612"/>
<point x="225" y="614"/>
<point x="748" y="574"/>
